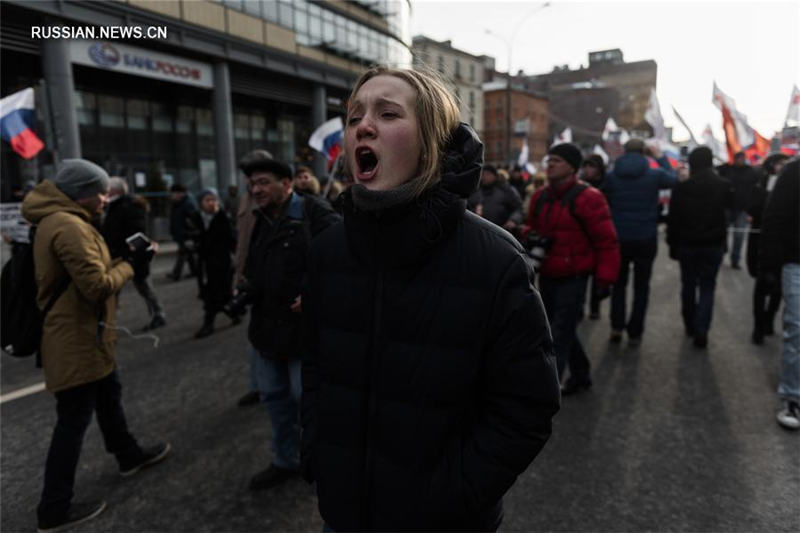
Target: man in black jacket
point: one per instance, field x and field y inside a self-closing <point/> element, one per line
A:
<point x="696" y="232"/>
<point x="126" y="215"/>
<point x="182" y="230"/>
<point x="497" y="201"/>
<point x="780" y="249"/>
<point x="742" y="178"/>
<point x="276" y="266"/>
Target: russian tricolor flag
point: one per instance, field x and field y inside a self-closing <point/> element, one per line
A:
<point x="16" y="120"/>
<point x="328" y="139"/>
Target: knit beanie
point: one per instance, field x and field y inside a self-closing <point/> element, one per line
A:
<point x="79" y="178"/>
<point x="700" y="158"/>
<point x="205" y="192"/>
<point x="569" y="153"/>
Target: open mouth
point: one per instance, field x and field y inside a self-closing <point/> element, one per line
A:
<point x="367" y="162"/>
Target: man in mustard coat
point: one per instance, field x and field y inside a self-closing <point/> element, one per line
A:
<point x="78" y="337"/>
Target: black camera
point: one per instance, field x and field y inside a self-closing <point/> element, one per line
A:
<point x="245" y="293"/>
<point x="536" y="246"/>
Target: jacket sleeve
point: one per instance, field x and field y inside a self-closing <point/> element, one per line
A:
<point x="518" y="396"/>
<point x="602" y="235"/>
<point x="76" y="248"/>
<point x="666" y="175"/>
<point x="515" y="205"/>
<point x="675" y="218"/>
<point x="322" y="216"/>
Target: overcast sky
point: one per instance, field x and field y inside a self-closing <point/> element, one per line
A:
<point x="751" y="49"/>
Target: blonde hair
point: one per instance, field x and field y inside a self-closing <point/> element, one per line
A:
<point x="437" y="115"/>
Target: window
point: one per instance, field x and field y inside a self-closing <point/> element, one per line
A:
<point x="185" y="121"/>
<point x="458" y="68"/>
<point x="138" y="111"/>
<point x="241" y="126"/>
<point x="87" y="104"/>
<point x="269" y="10"/>
<point x="162" y="122"/>
<point x="472" y="101"/>
<point x="253" y="7"/>
<point x="111" y="111"/>
<point x="471" y="72"/>
<point x="440" y="66"/>
<point x="285" y="15"/>
<point x="257" y="126"/>
<point x="205" y="122"/>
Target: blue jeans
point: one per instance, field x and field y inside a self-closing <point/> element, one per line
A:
<point x="737" y="219"/>
<point x="641" y="254"/>
<point x="699" y="267"/>
<point x="563" y="300"/>
<point x="789" y="385"/>
<point x="279" y="387"/>
<point x="74" y="408"/>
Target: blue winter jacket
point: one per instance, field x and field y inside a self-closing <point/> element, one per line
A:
<point x="632" y="192"/>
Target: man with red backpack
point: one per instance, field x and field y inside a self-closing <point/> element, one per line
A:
<point x="572" y="221"/>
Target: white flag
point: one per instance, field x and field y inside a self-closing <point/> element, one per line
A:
<point x="602" y="153"/>
<point x="563" y="137"/>
<point x="717" y="148"/>
<point x="609" y="128"/>
<point x="523" y="154"/>
<point x="654" y="118"/>
<point x="624" y="137"/>
<point x="793" y="113"/>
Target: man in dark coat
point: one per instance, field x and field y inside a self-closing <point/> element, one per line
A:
<point x="696" y="232"/>
<point x="182" y="230"/>
<point x="275" y="270"/>
<point x="766" y="299"/>
<point x="742" y="178"/>
<point x="780" y="251"/>
<point x="215" y="246"/>
<point x="632" y="189"/>
<point x="497" y="201"/>
<point x="127" y="215"/>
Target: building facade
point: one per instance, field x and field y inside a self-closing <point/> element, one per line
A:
<point x="529" y="123"/>
<point x="230" y="76"/>
<point x="584" y="98"/>
<point x="462" y="71"/>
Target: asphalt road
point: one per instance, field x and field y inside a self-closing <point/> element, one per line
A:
<point x="669" y="439"/>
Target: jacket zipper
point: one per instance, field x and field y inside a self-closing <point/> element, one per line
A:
<point x="371" y="401"/>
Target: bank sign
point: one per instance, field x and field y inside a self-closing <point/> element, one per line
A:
<point x="140" y="62"/>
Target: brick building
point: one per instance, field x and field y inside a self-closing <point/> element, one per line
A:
<point x="529" y="120"/>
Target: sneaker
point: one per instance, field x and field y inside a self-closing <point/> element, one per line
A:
<point x="76" y="514"/>
<point x="616" y="336"/>
<point x="272" y="477"/>
<point x="250" y="398"/>
<point x="158" y="321"/>
<point x="789" y="416"/>
<point x="150" y="456"/>
<point x="757" y="337"/>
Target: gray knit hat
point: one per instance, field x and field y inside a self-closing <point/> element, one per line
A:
<point x="79" y="178"/>
<point x="205" y="192"/>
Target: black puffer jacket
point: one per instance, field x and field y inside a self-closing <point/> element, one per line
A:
<point x="501" y="202"/>
<point x="429" y="383"/>
<point x="125" y="216"/>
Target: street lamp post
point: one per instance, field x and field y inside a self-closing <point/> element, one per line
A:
<point x="509" y="44"/>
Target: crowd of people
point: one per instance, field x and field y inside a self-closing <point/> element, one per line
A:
<point x="432" y="299"/>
